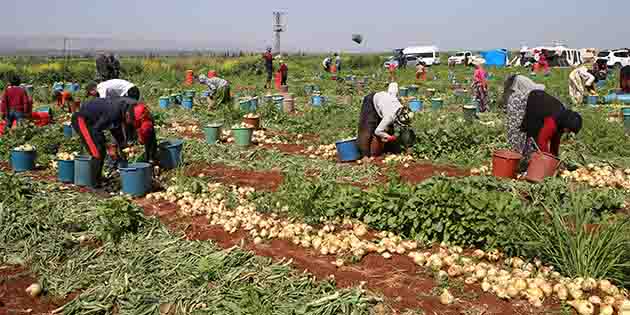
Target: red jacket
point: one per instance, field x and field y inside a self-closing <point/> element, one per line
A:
<point x="15" y="99"/>
<point x="549" y="137"/>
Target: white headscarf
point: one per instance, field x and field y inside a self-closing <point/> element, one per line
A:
<point x="392" y="89"/>
<point x="525" y="85"/>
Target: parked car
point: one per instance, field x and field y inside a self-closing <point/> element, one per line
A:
<point x="614" y="58"/>
<point x="430" y="55"/>
<point x="459" y="57"/>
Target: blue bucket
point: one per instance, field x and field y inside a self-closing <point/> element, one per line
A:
<point x="67" y="131"/>
<point x="626" y="118"/>
<point x="415" y="105"/>
<point x="245" y="105"/>
<point x="623" y="98"/>
<point x="170" y="153"/>
<point x="85" y="171"/>
<point x="253" y="104"/>
<point x="69" y="87"/>
<point x="164" y="102"/>
<point x="58" y="86"/>
<point x="403" y="91"/>
<point x="412" y="90"/>
<point x="348" y="150"/>
<point x="278" y="100"/>
<point x="65" y="171"/>
<point x="187" y="103"/>
<point x="22" y="161"/>
<point x="76" y="87"/>
<point x="591" y="100"/>
<point x="436" y="103"/>
<point x="136" y="179"/>
<point x="316" y="100"/>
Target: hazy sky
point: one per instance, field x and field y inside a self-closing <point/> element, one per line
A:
<point x="328" y="24"/>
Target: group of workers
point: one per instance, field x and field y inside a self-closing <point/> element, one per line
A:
<point x="283" y="71"/>
<point x="331" y="67"/>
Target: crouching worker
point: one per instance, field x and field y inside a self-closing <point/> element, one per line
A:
<point x="546" y="120"/>
<point x="380" y="115"/>
<point x="125" y="118"/>
<point x="65" y="101"/>
<point x="218" y="90"/>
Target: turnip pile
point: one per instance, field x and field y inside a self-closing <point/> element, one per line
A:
<point x="600" y="176"/>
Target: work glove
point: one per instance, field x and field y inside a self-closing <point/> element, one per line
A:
<point x="391" y="139"/>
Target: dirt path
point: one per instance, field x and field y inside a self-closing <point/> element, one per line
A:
<point x="260" y="180"/>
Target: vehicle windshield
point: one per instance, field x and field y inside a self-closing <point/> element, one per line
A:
<point x="425" y="55"/>
<point x="460" y="54"/>
<point x="603" y="54"/>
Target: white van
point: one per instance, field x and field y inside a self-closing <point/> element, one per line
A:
<point x="430" y="55"/>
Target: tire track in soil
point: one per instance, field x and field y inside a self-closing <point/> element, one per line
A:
<point x="403" y="284"/>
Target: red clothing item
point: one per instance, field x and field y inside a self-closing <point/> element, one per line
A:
<point x="549" y="137"/>
<point x="15" y="99"/>
<point x="268" y="57"/>
<point x="284" y="69"/>
<point x="143" y="122"/>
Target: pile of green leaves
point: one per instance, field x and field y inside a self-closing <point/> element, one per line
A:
<point x="118" y="217"/>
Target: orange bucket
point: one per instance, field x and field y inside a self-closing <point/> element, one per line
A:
<point x="189" y="77"/>
<point x="505" y="163"/>
<point x="542" y="165"/>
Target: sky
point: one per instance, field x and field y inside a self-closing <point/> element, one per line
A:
<point x="324" y="25"/>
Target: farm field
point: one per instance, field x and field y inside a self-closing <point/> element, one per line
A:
<point x="282" y="227"/>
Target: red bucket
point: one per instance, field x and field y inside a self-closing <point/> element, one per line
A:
<point x="212" y="74"/>
<point x="505" y="163"/>
<point x="40" y="118"/>
<point x="542" y="165"/>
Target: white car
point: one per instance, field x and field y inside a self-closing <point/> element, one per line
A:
<point x="459" y="57"/>
<point x="615" y="58"/>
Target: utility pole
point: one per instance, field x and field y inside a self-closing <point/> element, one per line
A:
<point x="278" y="26"/>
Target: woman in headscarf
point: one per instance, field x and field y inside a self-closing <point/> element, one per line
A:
<point x="581" y="81"/>
<point x="546" y="120"/>
<point x="624" y="80"/>
<point x="516" y="91"/>
<point x="480" y="84"/>
<point x="380" y="115"/>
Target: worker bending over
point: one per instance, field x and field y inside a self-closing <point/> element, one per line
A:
<point x="547" y="119"/>
<point x="380" y="115"/>
<point x="125" y="118"/>
<point x="218" y="90"/>
<point x="582" y="81"/>
<point x="114" y="88"/>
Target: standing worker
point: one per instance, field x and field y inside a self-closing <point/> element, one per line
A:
<point x="421" y="71"/>
<point x="547" y="119"/>
<point x="392" y="71"/>
<point x="64" y="100"/>
<point x="581" y="80"/>
<point x="218" y="90"/>
<point x="624" y="80"/>
<point x="15" y="104"/>
<point x="380" y="115"/>
<point x="480" y="85"/>
<point x="114" y="88"/>
<point x="327" y="63"/>
<point x="515" y="94"/>
<point x="268" y="59"/>
<point x="284" y="73"/>
<point x="338" y="62"/>
<point x="124" y="118"/>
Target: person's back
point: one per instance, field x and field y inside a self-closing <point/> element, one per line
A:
<point x="105" y="113"/>
<point x="113" y="88"/>
<point x="16" y="99"/>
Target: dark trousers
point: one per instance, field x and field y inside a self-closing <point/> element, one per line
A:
<point x="368" y="122"/>
<point x="284" y="79"/>
<point x="93" y="141"/>
<point x="13" y="116"/>
<point x="150" y="148"/>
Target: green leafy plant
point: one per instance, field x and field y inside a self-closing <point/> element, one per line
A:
<point x="117" y="217"/>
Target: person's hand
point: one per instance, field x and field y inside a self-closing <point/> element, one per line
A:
<point x="391" y="139"/>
